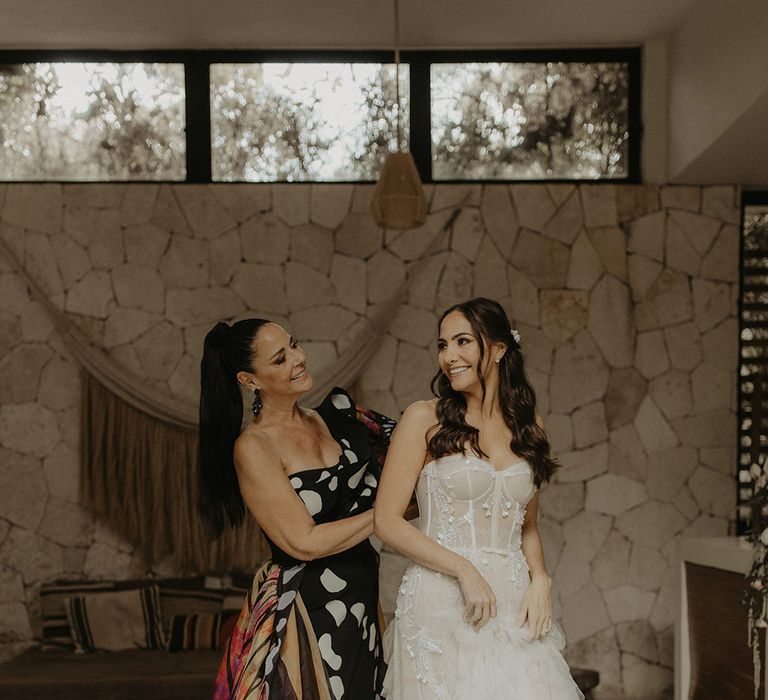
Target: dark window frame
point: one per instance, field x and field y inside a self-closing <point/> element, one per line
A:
<point x="197" y="95"/>
<point x="743" y="491"/>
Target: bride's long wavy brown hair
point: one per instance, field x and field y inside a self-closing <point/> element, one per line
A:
<point x="517" y="399"/>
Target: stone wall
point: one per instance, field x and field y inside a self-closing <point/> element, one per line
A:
<point x="625" y="297"/>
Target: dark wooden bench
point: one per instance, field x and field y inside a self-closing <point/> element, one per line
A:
<point x="125" y="675"/>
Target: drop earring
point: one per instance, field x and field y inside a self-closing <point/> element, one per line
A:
<point x="256" y="405"/>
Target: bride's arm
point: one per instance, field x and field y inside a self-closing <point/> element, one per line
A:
<point x="405" y="460"/>
<point x="537" y="603"/>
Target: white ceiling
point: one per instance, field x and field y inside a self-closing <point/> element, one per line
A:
<point x="200" y="24"/>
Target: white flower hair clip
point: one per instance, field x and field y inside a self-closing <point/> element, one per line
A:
<point x="515" y="335"/>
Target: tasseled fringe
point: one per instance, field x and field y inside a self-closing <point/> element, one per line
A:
<point x="138" y="474"/>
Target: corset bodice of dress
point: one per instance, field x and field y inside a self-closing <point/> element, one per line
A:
<point x="467" y="505"/>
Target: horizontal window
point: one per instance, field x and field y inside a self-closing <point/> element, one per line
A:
<point x="92" y="121"/>
<point x="303" y="121"/>
<point x="529" y="121"/>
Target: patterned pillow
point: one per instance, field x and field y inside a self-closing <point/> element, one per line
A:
<point x="116" y="620"/>
<point x="189" y="596"/>
<point x="199" y="631"/>
<point x="55" y="631"/>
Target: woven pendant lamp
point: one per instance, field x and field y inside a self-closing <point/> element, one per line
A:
<point x="398" y="200"/>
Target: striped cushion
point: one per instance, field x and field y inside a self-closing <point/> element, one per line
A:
<point x="116" y="620"/>
<point x="195" y="632"/>
<point x="53" y="613"/>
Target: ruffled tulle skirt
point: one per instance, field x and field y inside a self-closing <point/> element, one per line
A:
<point x="434" y="655"/>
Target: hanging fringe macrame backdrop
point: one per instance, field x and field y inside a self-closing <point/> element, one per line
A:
<point x="139" y="477"/>
<point x="139" y="444"/>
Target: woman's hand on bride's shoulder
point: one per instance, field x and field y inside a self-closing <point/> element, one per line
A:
<point x="479" y="598"/>
<point x="537" y="606"/>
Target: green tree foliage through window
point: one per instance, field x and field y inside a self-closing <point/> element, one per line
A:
<point x="302" y="121"/>
<point x="92" y="121"/>
<point x="521" y="121"/>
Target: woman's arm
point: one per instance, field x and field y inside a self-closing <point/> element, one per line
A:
<point x="282" y="515"/>
<point x="537" y="602"/>
<point x="405" y="460"/>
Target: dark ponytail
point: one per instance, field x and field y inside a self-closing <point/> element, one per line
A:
<point x="517" y="398"/>
<point x="227" y="350"/>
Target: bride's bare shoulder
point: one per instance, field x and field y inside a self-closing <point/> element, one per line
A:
<point x="420" y="414"/>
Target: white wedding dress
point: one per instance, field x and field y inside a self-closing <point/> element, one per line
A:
<point x="471" y="508"/>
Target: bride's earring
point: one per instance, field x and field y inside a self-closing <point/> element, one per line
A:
<point x="498" y="359"/>
<point x="256" y="405"/>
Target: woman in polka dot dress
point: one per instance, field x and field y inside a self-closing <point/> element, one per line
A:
<point x="310" y="626"/>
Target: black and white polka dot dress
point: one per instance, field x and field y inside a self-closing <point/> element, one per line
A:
<point x="312" y="629"/>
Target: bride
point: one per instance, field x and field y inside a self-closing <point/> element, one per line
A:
<point x="473" y="616"/>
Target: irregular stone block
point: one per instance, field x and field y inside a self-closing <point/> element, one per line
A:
<point x="562" y="501"/>
<point x="567" y="222"/>
<point x="572" y="572"/>
<point x="720" y="345"/>
<point x="207" y="218"/>
<point x="145" y="244"/>
<point x="647" y="568"/>
<point x="680" y="197"/>
<point x="415" y="326"/>
<point x="584" y="615"/>
<point x="611" y="246"/>
<point x="683" y="345"/>
<point x="66" y="523"/>
<point x="643" y="677"/>
<point x="543" y="261"/>
<point x="589" y="425"/>
<point x="720" y="202"/>
<point x="137" y="204"/>
<point x="712" y="388"/>
<point x="138" y="287"/>
<point x="722" y="260"/>
<point x="651" y="524"/>
<point x="34" y="557"/>
<point x="264" y="239"/>
<point x="634" y="201"/>
<point x="626" y="456"/>
<point x="712" y="303"/>
<point x="322" y="322"/>
<point x="28" y="428"/>
<point x="627" y="603"/>
<point x="349" y="281"/>
<point x="643" y="272"/>
<point x="22" y="489"/>
<point x="243" y="201"/>
<point x="680" y="254"/>
<point x="599" y="205"/>
<point x="563" y="313"/>
<point x="654" y="431"/>
<point x="414" y="369"/>
<point x="580" y="374"/>
<point x="612" y="494"/>
<point x="307" y="287"/>
<point x="290" y="202"/>
<point x="713" y="492"/>
<point x="468" y="233"/>
<point x="522" y="305"/>
<point x="312" y="246"/>
<point x="261" y="287"/>
<point x="623" y="395"/>
<point x="60" y="384"/>
<point x="647" y="235"/>
<point x="159" y="350"/>
<point x="579" y="465"/>
<point x="671" y="392"/>
<point x="33" y="206"/>
<point x="167" y="213"/>
<point x="330" y="204"/>
<point x="651" y="357"/>
<point x="385" y="274"/>
<point x="199" y="306"/>
<point x="610" y="321"/>
<point x="20" y="372"/>
<point x="490" y="272"/>
<point x="455" y="285"/>
<point x="73" y="259"/>
<point x="611" y="563"/>
<point x="62" y="473"/>
<point x="186" y="264"/>
<point x="585" y="266"/>
<point x="671" y="298"/>
<point x="359" y="236"/>
<point x="499" y="217"/>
